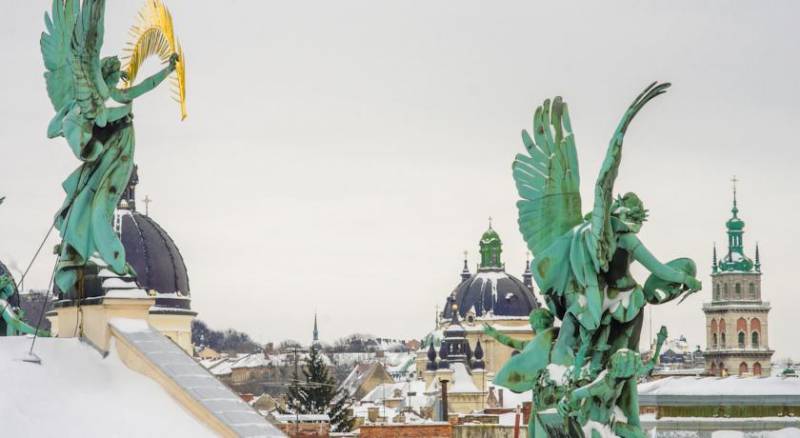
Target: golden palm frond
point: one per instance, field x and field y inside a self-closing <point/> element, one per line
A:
<point x="154" y="35"/>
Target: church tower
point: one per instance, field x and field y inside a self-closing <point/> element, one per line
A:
<point x="736" y="318"/>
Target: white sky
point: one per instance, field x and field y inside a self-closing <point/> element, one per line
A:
<point x="340" y="156"/>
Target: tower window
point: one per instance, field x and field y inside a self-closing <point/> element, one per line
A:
<point x="722" y="340"/>
<point x="725" y="291"/>
<point x="754" y="339"/>
<point x="756" y="369"/>
<point x="752" y="291"/>
<point x="741" y="340"/>
<point x="716" y="292"/>
<point x="738" y="291"/>
<point x="714" y="340"/>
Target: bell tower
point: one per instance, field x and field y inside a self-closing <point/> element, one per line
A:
<point x="736" y="318"/>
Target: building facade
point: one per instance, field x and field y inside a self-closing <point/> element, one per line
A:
<point x="737" y="335"/>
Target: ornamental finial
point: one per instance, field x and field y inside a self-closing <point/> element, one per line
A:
<point x="735" y="209"/>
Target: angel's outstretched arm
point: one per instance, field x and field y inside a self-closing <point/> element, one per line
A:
<point x="642" y="255"/>
<point x="127" y="95"/>
<point x="503" y="338"/>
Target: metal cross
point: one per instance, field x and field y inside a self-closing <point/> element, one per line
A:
<point x="147" y="202"/>
<point x="490" y="222"/>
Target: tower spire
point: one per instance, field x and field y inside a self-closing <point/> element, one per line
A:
<point x="758" y="260"/>
<point x="735" y="259"/>
<point x="734" y="210"/>
<point x="714" y="265"/>
<point x="527" y="275"/>
<point x="465" y="274"/>
<point x="315" y="341"/>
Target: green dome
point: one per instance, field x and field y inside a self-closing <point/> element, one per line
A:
<point x="491" y="248"/>
<point x="735" y="224"/>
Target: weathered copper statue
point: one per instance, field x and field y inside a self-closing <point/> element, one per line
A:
<point x="79" y="84"/>
<point x="581" y="264"/>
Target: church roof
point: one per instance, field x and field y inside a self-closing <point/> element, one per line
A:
<point x="491" y="290"/>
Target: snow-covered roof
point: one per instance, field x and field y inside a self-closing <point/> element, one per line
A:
<point x="721" y="390"/>
<point x="85" y="394"/>
<point x="462" y="380"/>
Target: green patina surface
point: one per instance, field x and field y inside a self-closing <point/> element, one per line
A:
<point x="79" y="84"/>
<point x="583" y="373"/>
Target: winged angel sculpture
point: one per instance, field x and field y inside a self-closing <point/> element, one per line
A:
<point x="80" y="84"/>
<point x="581" y="264"/>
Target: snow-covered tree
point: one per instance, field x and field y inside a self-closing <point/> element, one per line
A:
<point x="316" y="393"/>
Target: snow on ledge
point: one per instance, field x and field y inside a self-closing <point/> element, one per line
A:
<point x="129" y="325"/>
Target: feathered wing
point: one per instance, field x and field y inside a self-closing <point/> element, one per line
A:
<point x="547" y="178"/>
<point x="56" y="46"/>
<point x="91" y="90"/>
<point x="602" y="243"/>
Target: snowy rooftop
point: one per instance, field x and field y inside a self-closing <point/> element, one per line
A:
<point x="721" y="390"/>
<point x="76" y="390"/>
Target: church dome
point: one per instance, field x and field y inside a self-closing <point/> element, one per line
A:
<point x="153" y="254"/>
<point x="491" y="291"/>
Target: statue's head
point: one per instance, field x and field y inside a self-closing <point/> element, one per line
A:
<point x="111" y="70"/>
<point x="630" y="210"/>
<point x="541" y="319"/>
<point x="624" y="363"/>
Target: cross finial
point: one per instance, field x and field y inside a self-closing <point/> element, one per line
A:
<point x="734" y="180"/>
<point x="490" y="222"/>
<point x="147" y="202"/>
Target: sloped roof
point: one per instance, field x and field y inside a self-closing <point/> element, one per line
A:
<point x="76" y="389"/>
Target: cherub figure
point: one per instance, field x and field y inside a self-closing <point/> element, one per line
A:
<point x="582" y="264"/>
<point x="611" y="399"/>
<point x="79" y="84"/>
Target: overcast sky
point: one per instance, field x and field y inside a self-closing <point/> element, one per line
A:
<point x="340" y="156"/>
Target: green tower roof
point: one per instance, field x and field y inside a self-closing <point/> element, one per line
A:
<point x="735" y="260"/>
<point x="491" y="248"/>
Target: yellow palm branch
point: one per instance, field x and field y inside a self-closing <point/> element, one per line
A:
<point x="154" y="35"/>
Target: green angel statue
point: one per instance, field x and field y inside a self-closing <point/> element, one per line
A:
<point x="582" y="262"/>
<point x="80" y="84"/>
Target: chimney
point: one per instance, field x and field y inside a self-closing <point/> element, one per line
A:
<point x="444" y="400"/>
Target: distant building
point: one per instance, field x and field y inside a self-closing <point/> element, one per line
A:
<point x="737" y="317"/>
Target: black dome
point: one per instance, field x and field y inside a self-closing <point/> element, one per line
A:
<point x="155" y="257"/>
<point x="492" y="290"/>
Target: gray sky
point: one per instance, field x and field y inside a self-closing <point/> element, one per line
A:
<point x="340" y="156"/>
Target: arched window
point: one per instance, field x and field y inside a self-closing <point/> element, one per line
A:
<point x="741" y="339"/>
<point x="713" y="369"/>
<point x="722" y="342"/>
<point x="756" y="369"/>
<point x="752" y="291"/>
<point x="755" y="325"/>
<point x="713" y="340"/>
<point x="741" y="325"/>
<point x="738" y="291"/>
<point x="716" y="292"/>
<point x="754" y="340"/>
<point x="725" y="291"/>
<point x="742" y="369"/>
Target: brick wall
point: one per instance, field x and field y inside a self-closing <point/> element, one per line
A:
<point x="436" y="430"/>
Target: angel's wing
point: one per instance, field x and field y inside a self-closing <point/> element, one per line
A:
<point x="55" y="43"/>
<point x="91" y="90"/>
<point x="602" y="237"/>
<point x="547" y="178"/>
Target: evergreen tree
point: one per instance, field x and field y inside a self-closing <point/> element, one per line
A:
<point x="318" y="394"/>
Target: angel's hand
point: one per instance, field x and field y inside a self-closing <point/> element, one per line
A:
<point x="489" y="330"/>
<point x="173" y="60"/>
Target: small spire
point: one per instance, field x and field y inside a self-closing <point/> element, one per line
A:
<point x="147" y="202"/>
<point x="316" y="332"/>
<point x="490" y="222"/>
<point x="734" y="210"/>
<point x="758" y="260"/>
<point x="714" y="265"/>
<point x="527" y="275"/>
<point x="465" y="274"/>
